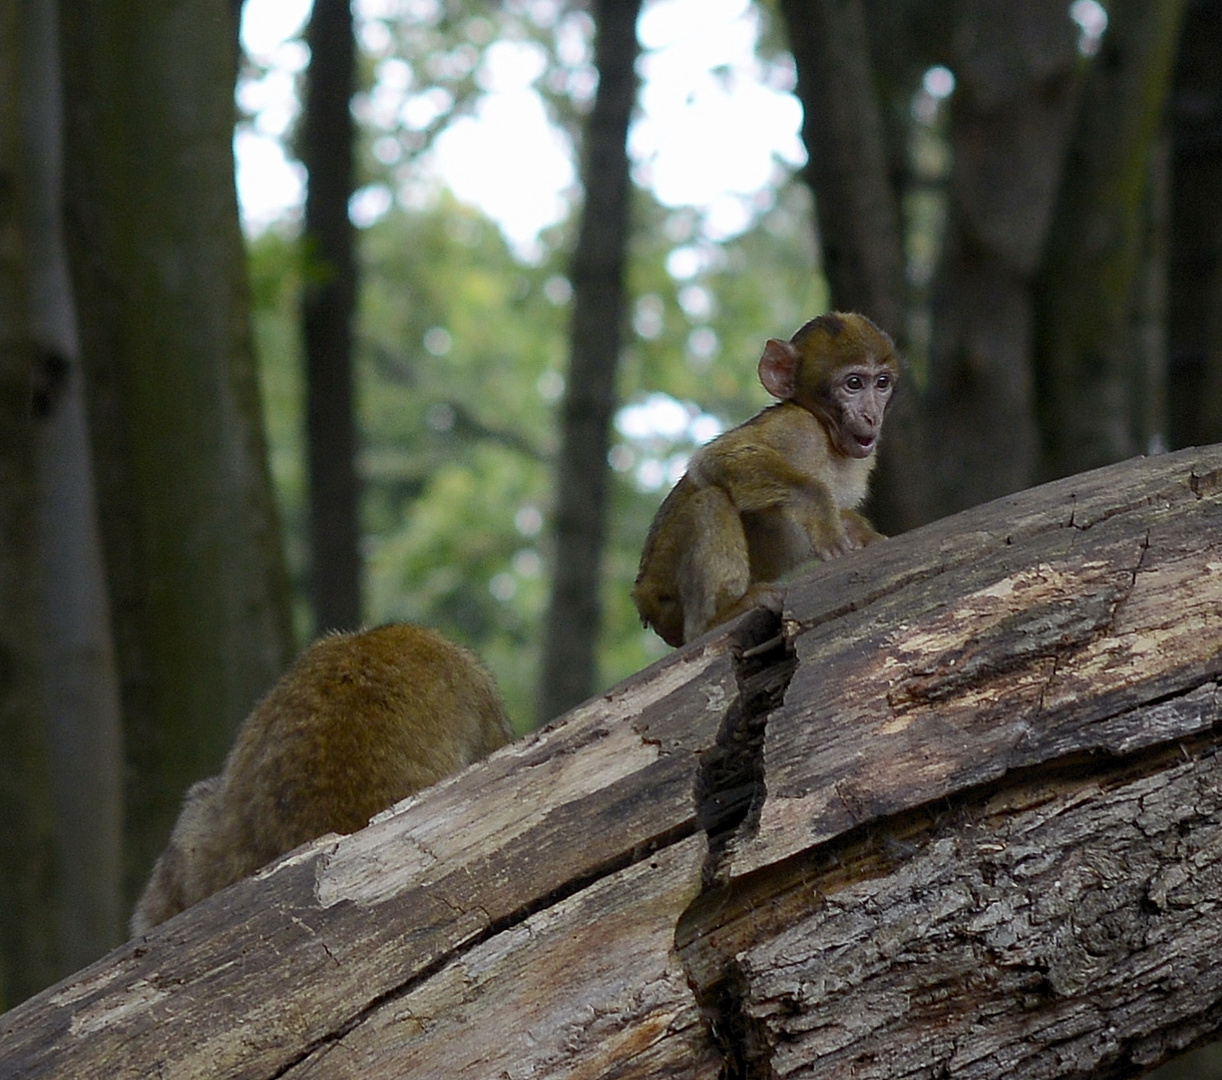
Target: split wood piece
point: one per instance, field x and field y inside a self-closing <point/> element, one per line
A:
<point x="1038" y="642"/>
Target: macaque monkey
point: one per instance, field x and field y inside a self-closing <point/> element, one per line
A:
<point x="357" y="723"/>
<point x="776" y="491"/>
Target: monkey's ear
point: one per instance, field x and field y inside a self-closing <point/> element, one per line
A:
<point x="778" y="368"/>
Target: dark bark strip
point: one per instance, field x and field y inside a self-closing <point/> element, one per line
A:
<point x="328" y="309"/>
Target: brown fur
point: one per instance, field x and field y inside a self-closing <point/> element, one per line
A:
<point x="777" y="490"/>
<point x="359" y="722"/>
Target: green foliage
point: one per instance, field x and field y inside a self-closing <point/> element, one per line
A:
<point x="462" y="352"/>
<point x="456" y="338"/>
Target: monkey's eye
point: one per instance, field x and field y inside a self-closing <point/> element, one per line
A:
<point x="883" y="381"/>
<point x="854" y="382"/>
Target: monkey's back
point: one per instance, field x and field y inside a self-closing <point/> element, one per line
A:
<point x="357" y="723"/>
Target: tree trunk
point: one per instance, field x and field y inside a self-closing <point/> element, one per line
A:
<point x="1194" y="325"/>
<point x="328" y="305"/>
<point x="574" y="616"/>
<point x="82" y="690"/>
<point x="1149" y="304"/>
<point x="960" y="817"/>
<point x="199" y="595"/>
<point x="859" y="230"/>
<point x="1085" y="313"/>
<point x="1011" y="116"/>
<point x="846" y="169"/>
<point x="28" y="896"/>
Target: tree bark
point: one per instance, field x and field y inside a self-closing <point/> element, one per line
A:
<point x="79" y="668"/>
<point x="198" y="590"/>
<point x="846" y="169"/>
<point x="328" y="306"/>
<point x="960" y="817"/>
<point x="28" y="894"/>
<point x="1194" y="324"/>
<point x="858" y="219"/>
<point x="1011" y="116"/>
<point x="1086" y="286"/>
<point x="574" y="615"/>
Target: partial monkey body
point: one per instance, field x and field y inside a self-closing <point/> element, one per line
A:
<point x="359" y="722"/>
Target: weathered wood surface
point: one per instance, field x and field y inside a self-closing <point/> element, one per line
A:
<point x="980" y="835"/>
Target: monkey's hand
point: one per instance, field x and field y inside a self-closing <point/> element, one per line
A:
<point x="830" y="539"/>
<point x="832" y="535"/>
<point x="860" y="532"/>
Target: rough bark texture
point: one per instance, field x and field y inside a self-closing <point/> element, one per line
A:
<point x="960" y="817"/>
<point x="575" y="613"/>
<point x="328" y="306"/>
<point x="856" y="207"/>
<point x="1086" y="326"/>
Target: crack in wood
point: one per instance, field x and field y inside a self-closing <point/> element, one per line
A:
<point x="726" y="922"/>
<point x="730" y="786"/>
<point x="730" y="791"/>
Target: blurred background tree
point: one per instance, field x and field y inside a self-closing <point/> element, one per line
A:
<point x="28" y="886"/>
<point x="978" y="172"/>
<point x="194" y="573"/>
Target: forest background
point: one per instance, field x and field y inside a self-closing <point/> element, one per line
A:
<point x="386" y="405"/>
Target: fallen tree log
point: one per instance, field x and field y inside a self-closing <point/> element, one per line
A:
<point x="958" y="813"/>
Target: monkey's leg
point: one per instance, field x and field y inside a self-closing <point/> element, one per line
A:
<point x="762" y="483"/>
<point x="764" y="594"/>
<point x="715" y="571"/>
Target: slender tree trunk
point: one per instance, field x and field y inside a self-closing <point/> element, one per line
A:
<point x="236" y="8"/>
<point x="574" y="617"/>
<point x="82" y="691"/>
<point x="197" y="584"/>
<point x="28" y="898"/>
<point x="1012" y="112"/>
<point x="1086" y="325"/>
<point x="327" y="308"/>
<point x="858" y="216"/>
<point x="1194" y="324"/>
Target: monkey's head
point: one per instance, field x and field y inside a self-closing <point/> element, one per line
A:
<point x="843" y="369"/>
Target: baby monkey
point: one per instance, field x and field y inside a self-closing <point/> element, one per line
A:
<point x="776" y="491"/>
<point x="359" y="722"/>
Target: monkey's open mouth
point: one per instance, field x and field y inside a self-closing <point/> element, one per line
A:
<point x="866" y="442"/>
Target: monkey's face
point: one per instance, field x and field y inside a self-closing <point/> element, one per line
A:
<point x="841" y="368"/>
<point x="855" y="400"/>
